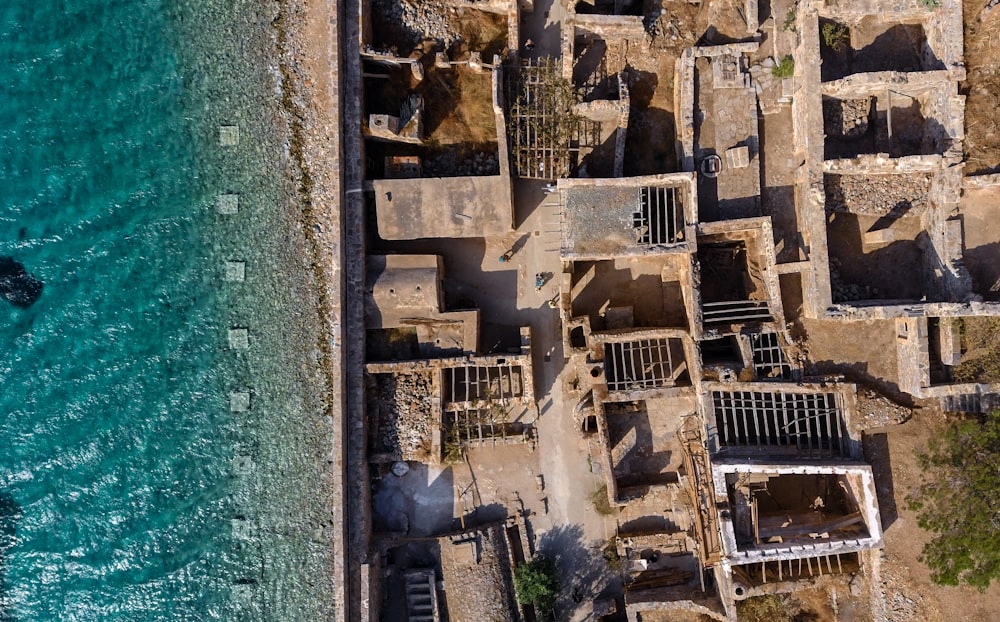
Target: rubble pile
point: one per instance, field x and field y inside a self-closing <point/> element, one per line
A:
<point x="901" y="604"/>
<point x="877" y="195"/>
<point x="405" y="414"/>
<point x="875" y="411"/>
<point x="417" y="21"/>
<point x="845" y="292"/>
<point x="846" y="118"/>
<point x="990" y="5"/>
<point x="452" y="164"/>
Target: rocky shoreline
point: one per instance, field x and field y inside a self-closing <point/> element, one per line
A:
<point x="303" y="39"/>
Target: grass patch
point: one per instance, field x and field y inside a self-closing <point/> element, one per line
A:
<point x="611" y="557"/>
<point x="601" y="503"/>
<point x="790" y="21"/>
<point x="459" y="106"/>
<point x="981" y="347"/>
<point x="785" y="67"/>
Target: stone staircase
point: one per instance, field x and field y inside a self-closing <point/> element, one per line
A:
<point x="421" y="596"/>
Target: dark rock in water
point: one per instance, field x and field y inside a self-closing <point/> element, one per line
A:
<point x="10" y="514"/>
<point x="16" y="285"/>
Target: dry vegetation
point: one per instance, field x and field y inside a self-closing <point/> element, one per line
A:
<point x="459" y="106"/>
<point x="981" y="347"/>
<point x="599" y="499"/>
<point x="982" y="88"/>
<point x="803" y="606"/>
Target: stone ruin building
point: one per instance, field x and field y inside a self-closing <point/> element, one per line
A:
<point x="733" y="471"/>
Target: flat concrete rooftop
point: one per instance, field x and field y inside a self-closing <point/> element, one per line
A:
<point x="627" y="216"/>
<point x="443" y="207"/>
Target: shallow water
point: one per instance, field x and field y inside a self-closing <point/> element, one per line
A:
<point x="128" y="488"/>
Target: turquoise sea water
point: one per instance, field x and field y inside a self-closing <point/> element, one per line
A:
<point x="128" y="488"/>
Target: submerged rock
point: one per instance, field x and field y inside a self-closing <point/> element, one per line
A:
<point x="16" y="285"/>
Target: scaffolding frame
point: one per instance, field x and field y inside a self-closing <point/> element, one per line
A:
<point x="811" y="424"/>
<point x="475" y="384"/>
<point x="736" y="311"/>
<point x="544" y="135"/>
<point x="642" y="364"/>
<point x="481" y="427"/>
<point x="798" y="569"/>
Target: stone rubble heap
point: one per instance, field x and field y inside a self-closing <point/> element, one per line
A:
<point x="419" y="20"/>
<point x="404" y="402"/>
<point x="846" y="118"/>
<point x="846" y="292"/>
<point x="992" y="4"/>
<point x="902" y="604"/>
<point x="448" y="164"/>
<point x="878" y="195"/>
<point x="877" y="412"/>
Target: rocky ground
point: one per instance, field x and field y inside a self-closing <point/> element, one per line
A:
<point x="982" y="86"/>
<point x="900" y="602"/>
<point x="484" y="579"/>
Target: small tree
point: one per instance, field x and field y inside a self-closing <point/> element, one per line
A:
<point x="835" y="35"/>
<point x="959" y="502"/>
<point x="537" y="584"/>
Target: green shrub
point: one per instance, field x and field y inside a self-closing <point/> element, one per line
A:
<point x="835" y="35"/>
<point x="611" y="556"/>
<point x="785" y="68"/>
<point x="789" y="21"/>
<point x="931" y="4"/>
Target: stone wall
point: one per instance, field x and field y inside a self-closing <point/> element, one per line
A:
<point x="887" y="310"/>
<point x="760" y="237"/>
<point x="807" y="129"/>
<point x="942" y="26"/>
<point x="913" y="359"/>
<point x="862" y="487"/>
<point x="360" y="603"/>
